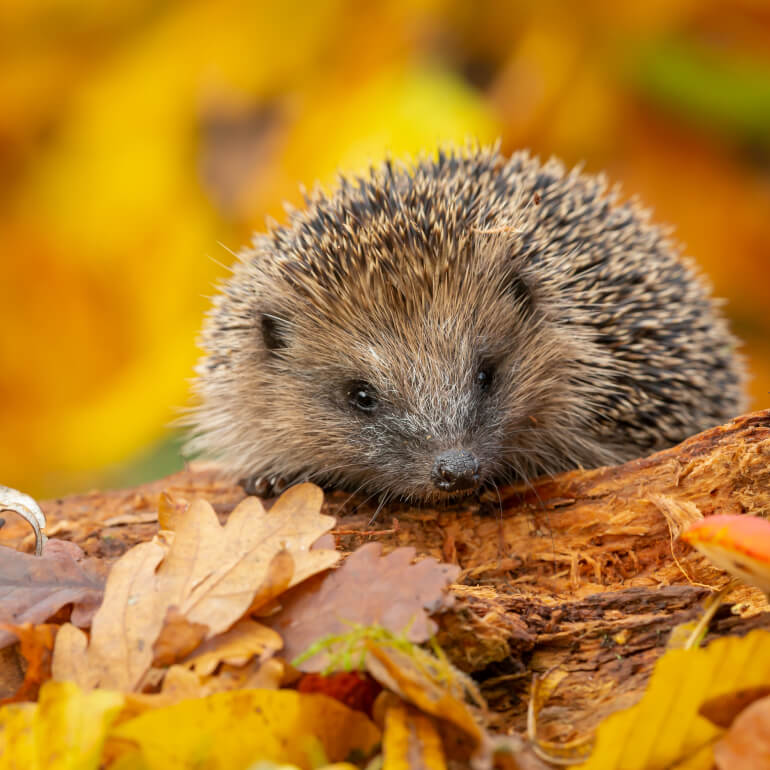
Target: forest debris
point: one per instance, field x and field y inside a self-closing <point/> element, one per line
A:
<point x="399" y="596"/>
<point x="34" y="588"/>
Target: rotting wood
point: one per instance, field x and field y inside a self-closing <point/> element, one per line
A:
<point x="582" y="570"/>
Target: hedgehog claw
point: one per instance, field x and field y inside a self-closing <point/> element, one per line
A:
<point x="264" y="486"/>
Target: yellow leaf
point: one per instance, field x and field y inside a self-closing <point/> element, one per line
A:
<point x="274" y="725"/>
<point x="65" y="730"/>
<point x="411" y="740"/>
<point x="665" y="726"/>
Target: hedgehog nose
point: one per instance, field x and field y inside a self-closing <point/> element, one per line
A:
<point x="454" y="470"/>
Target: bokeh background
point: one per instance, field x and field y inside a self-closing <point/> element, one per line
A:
<point x="141" y="141"/>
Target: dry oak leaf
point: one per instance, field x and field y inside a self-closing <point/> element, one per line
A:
<point x="368" y="589"/>
<point x="212" y="574"/>
<point x="747" y="743"/>
<point x="34" y="588"/>
<point x="245" y="640"/>
<point x="233" y="730"/>
<point x="178" y="638"/>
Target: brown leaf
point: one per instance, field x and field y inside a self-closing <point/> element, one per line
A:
<point x="11" y="671"/>
<point x="34" y="588"/>
<point x="723" y="709"/>
<point x="398" y="595"/>
<point x="746" y="746"/>
<point x="178" y="638"/>
<point x="36" y="647"/>
<point x="212" y="574"/>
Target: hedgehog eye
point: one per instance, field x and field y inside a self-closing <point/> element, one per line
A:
<point x="275" y="332"/>
<point x="362" y="396"/>
<point x="484" y="376"/>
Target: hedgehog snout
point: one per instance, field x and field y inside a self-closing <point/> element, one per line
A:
<point x="456" y="470"/>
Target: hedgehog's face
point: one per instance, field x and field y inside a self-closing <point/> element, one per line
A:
<point x="430" y="401"/>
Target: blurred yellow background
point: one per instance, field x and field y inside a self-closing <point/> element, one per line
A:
<point x="141" y="142"/>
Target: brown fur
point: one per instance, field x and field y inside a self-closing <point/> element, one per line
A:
<point x="605" y="342"/>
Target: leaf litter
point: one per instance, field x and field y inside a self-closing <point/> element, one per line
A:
<point x="179" y="644"/>
<point x="191" y="640"/>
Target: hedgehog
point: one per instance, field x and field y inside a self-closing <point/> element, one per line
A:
<point x="460" y="321"/>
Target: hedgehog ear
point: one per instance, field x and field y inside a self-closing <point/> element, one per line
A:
<point x="520" y="291"/>
<point x="275" y="332"/>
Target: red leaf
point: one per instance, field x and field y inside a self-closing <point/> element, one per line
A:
<point x="355" y="690"/>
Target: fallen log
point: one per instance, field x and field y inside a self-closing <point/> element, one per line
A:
<point x="582" y="570"/>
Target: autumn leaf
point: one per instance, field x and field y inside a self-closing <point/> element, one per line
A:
<point x="746" y="746"/>
<point x="211" y="574"/>
<point x="723" y="709"/>
<point x="66" y="729"/>
<point x="247" y="639"/>
<point x="178" y="637"/>
<point x="666" y="726"/>
<point x="36" y="647"/>
<point x="738" y="544"/>
<point x="181" y="683"/>
<point x="123" y="630"/>
<point x="410" y="739"/>
<point x="273" y="725"/>
<point x="435" y="688"/>
<point x="399" y="596"/>
<point x="33" y="588"/>
<point x="353" y="688"/>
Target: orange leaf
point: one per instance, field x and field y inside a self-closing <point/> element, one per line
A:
<point x="36" y="643"/>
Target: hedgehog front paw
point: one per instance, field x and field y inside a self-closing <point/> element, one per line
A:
<point x="263" y="485"/>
